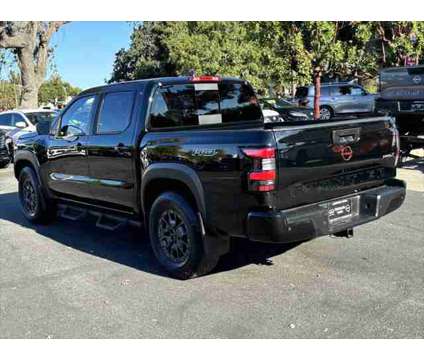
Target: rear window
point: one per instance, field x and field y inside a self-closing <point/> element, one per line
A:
<point x="301" y="92"/>
<point x="203" y="104"/>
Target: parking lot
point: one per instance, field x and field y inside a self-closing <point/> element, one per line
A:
<point x="73" y="280"/>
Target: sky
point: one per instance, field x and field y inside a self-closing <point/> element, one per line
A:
<point x="85" y="51"/>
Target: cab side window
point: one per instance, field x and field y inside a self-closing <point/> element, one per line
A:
<point x="77" y="118"/>
<point x="325" y="91"/>
<point x="343" y="91"/>
<point x="115" y="112"/>
<point x="357" y="91"/>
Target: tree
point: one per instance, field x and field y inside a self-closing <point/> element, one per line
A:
<point x="56" y="90"/>
<point x="29" y="41"/>
<point x="217" y="48"/>
<point x="324" y="51"/>
<point x="273" y="56"/>
<point x="147" y="55"/>
<point x="7" y="95"/>
<point x="283" y="62"/>
<point x="176" y="48"/>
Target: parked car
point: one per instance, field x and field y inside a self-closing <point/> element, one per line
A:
<point x="271" y="116"/>
<point x="402" y="96"/>
<point x="4" y="153"/>
<point x="192" y="159"/>
<point x="287" y="110"/>
<point x="18" y="122"/>
<point x="337" y="99"/>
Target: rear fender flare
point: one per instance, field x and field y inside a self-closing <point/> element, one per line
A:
<point x="179" y="172"/>
<point x="214" y="245"/>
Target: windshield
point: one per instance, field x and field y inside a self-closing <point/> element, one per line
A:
<point x="37" y="117"/>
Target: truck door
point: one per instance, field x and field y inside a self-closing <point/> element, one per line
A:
<point x="111" y="150"/>
<point x="68" y="165"/>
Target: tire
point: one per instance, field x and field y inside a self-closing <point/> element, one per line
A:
<point x="36" y="208"/>
<point x="9" y="146"/>
<point x="326" y="113"/>
<point x="176" y="238"/>
<point x="4" y="164"/>
<point x="11" y="154"/>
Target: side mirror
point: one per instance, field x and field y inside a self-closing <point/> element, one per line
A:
<point x="72" y="132"/>
<point x="21" y="125"/>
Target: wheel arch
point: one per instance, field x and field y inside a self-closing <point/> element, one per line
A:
<point x="158" y="178"/>
<point x="329" y="107"/>
<point x="26" y="158"/>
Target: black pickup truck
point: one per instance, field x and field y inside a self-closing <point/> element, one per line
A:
<point x="402" y="96"/>
<point x="191" y="159"/>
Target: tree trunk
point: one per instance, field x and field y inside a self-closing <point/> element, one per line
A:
<point x="30" y="41"/>
<point x="29" y="98"/>
<point x="317" y="83"/>
<point x="29" y="80"/>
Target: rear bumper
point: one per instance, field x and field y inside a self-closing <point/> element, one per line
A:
<point x="310" y="221"/>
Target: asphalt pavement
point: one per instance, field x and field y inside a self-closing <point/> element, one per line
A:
<point x="73" y="280"/>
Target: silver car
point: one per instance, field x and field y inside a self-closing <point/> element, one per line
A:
<point x="337" y="98"/>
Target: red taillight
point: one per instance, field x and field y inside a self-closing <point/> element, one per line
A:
<point x="265" y="153"/>
<point x="266" y="187"/>
<point x="262" y="174"/>
<point x="205" y="78"/>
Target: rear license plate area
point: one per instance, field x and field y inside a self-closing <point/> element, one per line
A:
<point x="340" y="210"/>
<point x="417" y="106"/>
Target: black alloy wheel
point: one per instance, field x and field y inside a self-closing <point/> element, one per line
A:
<point x="173" y="237"/>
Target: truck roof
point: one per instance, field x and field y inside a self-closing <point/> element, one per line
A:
<point x="134" y="84"/>
<point x="401" y="68"/>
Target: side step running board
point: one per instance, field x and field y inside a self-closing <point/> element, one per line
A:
<point x="109" y="222"/>
<point x="104" y="220"/>
<point x="72" y="213"/>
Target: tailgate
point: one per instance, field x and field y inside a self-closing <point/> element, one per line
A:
<point x="328" y="160"/>
<point x="402" y="83"/>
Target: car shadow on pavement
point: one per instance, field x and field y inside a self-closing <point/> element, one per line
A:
<point x="128" y="246"/>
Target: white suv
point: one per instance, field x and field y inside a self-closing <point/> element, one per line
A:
<point x="18" y="122"/>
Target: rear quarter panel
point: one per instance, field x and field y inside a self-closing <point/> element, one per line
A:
<point x="215" y="156"/>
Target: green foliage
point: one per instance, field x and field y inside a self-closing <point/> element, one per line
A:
<point x="223" y="48"/>
<point x="147" y="55"/>
<point x="271" y="55"/>
<point x="55" y="90"/>
<point x="9" y="95"/>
